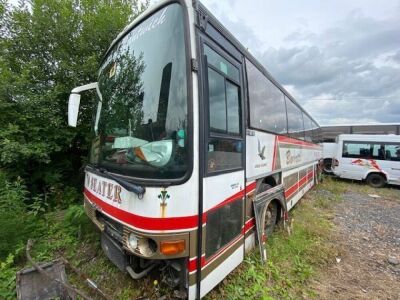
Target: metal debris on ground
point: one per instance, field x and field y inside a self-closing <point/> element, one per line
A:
<point x="49" y="281"/>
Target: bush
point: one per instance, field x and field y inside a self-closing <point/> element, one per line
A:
<point x="16" y="224"/>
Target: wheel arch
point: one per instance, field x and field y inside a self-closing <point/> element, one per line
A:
<point x="273" y="181"/>
<point x="375" y="172"/>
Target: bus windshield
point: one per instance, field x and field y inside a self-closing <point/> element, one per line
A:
<point x="140" y="120"/>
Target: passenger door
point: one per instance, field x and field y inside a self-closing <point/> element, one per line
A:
<point x="223" y="167"/>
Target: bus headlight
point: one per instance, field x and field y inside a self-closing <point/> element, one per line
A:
<point x="133" y="241"/>
<point x="144" y="246"/>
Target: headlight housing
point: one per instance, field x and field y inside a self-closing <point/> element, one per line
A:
<point x="142" y="245"/>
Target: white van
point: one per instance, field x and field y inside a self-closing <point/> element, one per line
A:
<point x="373" y="158"/>
<point x="329" y="151"/>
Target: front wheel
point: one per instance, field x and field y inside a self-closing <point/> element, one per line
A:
<point x="376" y="180"/>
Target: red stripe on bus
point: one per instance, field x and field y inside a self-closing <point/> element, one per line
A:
<point x="192" y="264"/>
<point x="291" y="190"/>
<point x="248" y="225"/>
<point x="292" y="141"/>
<point x="151" y="223"/>
<point x="275" y="153"/>
<point x="147" y="223"/>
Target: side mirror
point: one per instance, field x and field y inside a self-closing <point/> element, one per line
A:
<point x="73" y="109"/>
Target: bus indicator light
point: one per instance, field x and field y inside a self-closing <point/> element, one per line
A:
<point x="172" y="247"/>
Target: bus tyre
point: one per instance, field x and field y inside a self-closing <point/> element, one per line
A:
<point x="271" y="216"/>
<point x="376" y="180"/>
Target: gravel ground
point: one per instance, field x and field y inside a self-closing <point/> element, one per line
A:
<point x="368" y="236"/>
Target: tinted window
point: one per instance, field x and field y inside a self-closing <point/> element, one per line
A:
<point x="308" y="127"/>
<point x="225" y="145"/>
<point x="364" y="150"/>
<point x="221" y="64"/>
<point x="392" y="152"/>
<point x="142" y="101"/>
<point x="224" y="104"/>
<point x="217" y="97"/>
<point x="267" y="103"/>
<point x="220" y="233"/>
<point x="295" y="120"/>
<point x="224" y="154"/>
<point x="233" y="108"/>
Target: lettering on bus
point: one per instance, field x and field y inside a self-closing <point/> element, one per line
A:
<point x="292" y="158"/>
<point x="152" y="23"/>
<point x="106" y="189"/>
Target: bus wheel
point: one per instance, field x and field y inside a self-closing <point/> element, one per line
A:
<point x="271" y="216"/>
<point x="376" y="180"/>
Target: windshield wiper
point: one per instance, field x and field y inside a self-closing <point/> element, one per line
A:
<point x="131" y="187"/>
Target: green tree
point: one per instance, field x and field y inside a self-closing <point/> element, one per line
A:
<point x="46" y="48"/>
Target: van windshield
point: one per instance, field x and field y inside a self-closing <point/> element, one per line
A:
<point x="140" y="121"/>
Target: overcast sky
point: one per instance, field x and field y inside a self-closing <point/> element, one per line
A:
<point x="340" y="59"/>
<point x="347" y="52"/>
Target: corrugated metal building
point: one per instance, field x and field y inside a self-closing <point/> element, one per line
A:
<point x="329" y="132"/>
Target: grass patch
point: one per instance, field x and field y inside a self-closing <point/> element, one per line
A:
<point x="72" y="235"/>
<point x="293" y="259"/>
<point x="389" y="192"/>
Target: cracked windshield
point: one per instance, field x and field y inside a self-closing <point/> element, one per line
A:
<point x="140" y="122"/>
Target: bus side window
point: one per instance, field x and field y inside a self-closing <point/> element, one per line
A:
<point x="225" y="142"/>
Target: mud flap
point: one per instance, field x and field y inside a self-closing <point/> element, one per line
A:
<point x="260" y="204"/>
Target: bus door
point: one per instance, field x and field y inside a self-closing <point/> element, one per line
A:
<point x="223" y="183"/>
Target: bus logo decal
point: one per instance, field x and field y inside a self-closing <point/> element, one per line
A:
<point x="261" y="150"/>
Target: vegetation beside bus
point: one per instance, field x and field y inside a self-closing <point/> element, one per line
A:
<point x="293" y="259"/>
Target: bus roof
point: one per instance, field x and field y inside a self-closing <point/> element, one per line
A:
<point x="370" y="137"/>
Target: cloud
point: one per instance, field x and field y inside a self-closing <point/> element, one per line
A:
<point x="353" y="58"/>
<point x="343" y="62"/>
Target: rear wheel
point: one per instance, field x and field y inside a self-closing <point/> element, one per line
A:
<point x="328" y="166"/>
<point x="376" y="180"/>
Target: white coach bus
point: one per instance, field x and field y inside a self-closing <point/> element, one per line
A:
<point x="373" y="158"/>
<point x="197" y="151"/>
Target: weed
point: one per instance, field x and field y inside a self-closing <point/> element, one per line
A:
<point x="293" y="260"/>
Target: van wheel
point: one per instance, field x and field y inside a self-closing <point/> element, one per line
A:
<point x="271" y="215"/>
<point x="328" y="166"/>
<point x="376" y="180"/>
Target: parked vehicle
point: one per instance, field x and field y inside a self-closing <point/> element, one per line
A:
<point x="373" y="158"/>
<point x="197" y="151"/>
<point x="329" y="151"/>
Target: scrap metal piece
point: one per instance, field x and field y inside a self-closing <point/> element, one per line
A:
<point x="260" y="204"/>
<point x="32" y="285"/>
<point x="44" y="275"/>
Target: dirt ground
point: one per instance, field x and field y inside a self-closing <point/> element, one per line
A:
<point x="367" y="234"/>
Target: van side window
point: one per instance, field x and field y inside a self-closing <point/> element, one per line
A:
<point x="392" y="152"/>
<point x="357" y="150"/>
<point x="371" y="150"/>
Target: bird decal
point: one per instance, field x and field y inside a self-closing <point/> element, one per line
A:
<point x="261" y="150"/>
